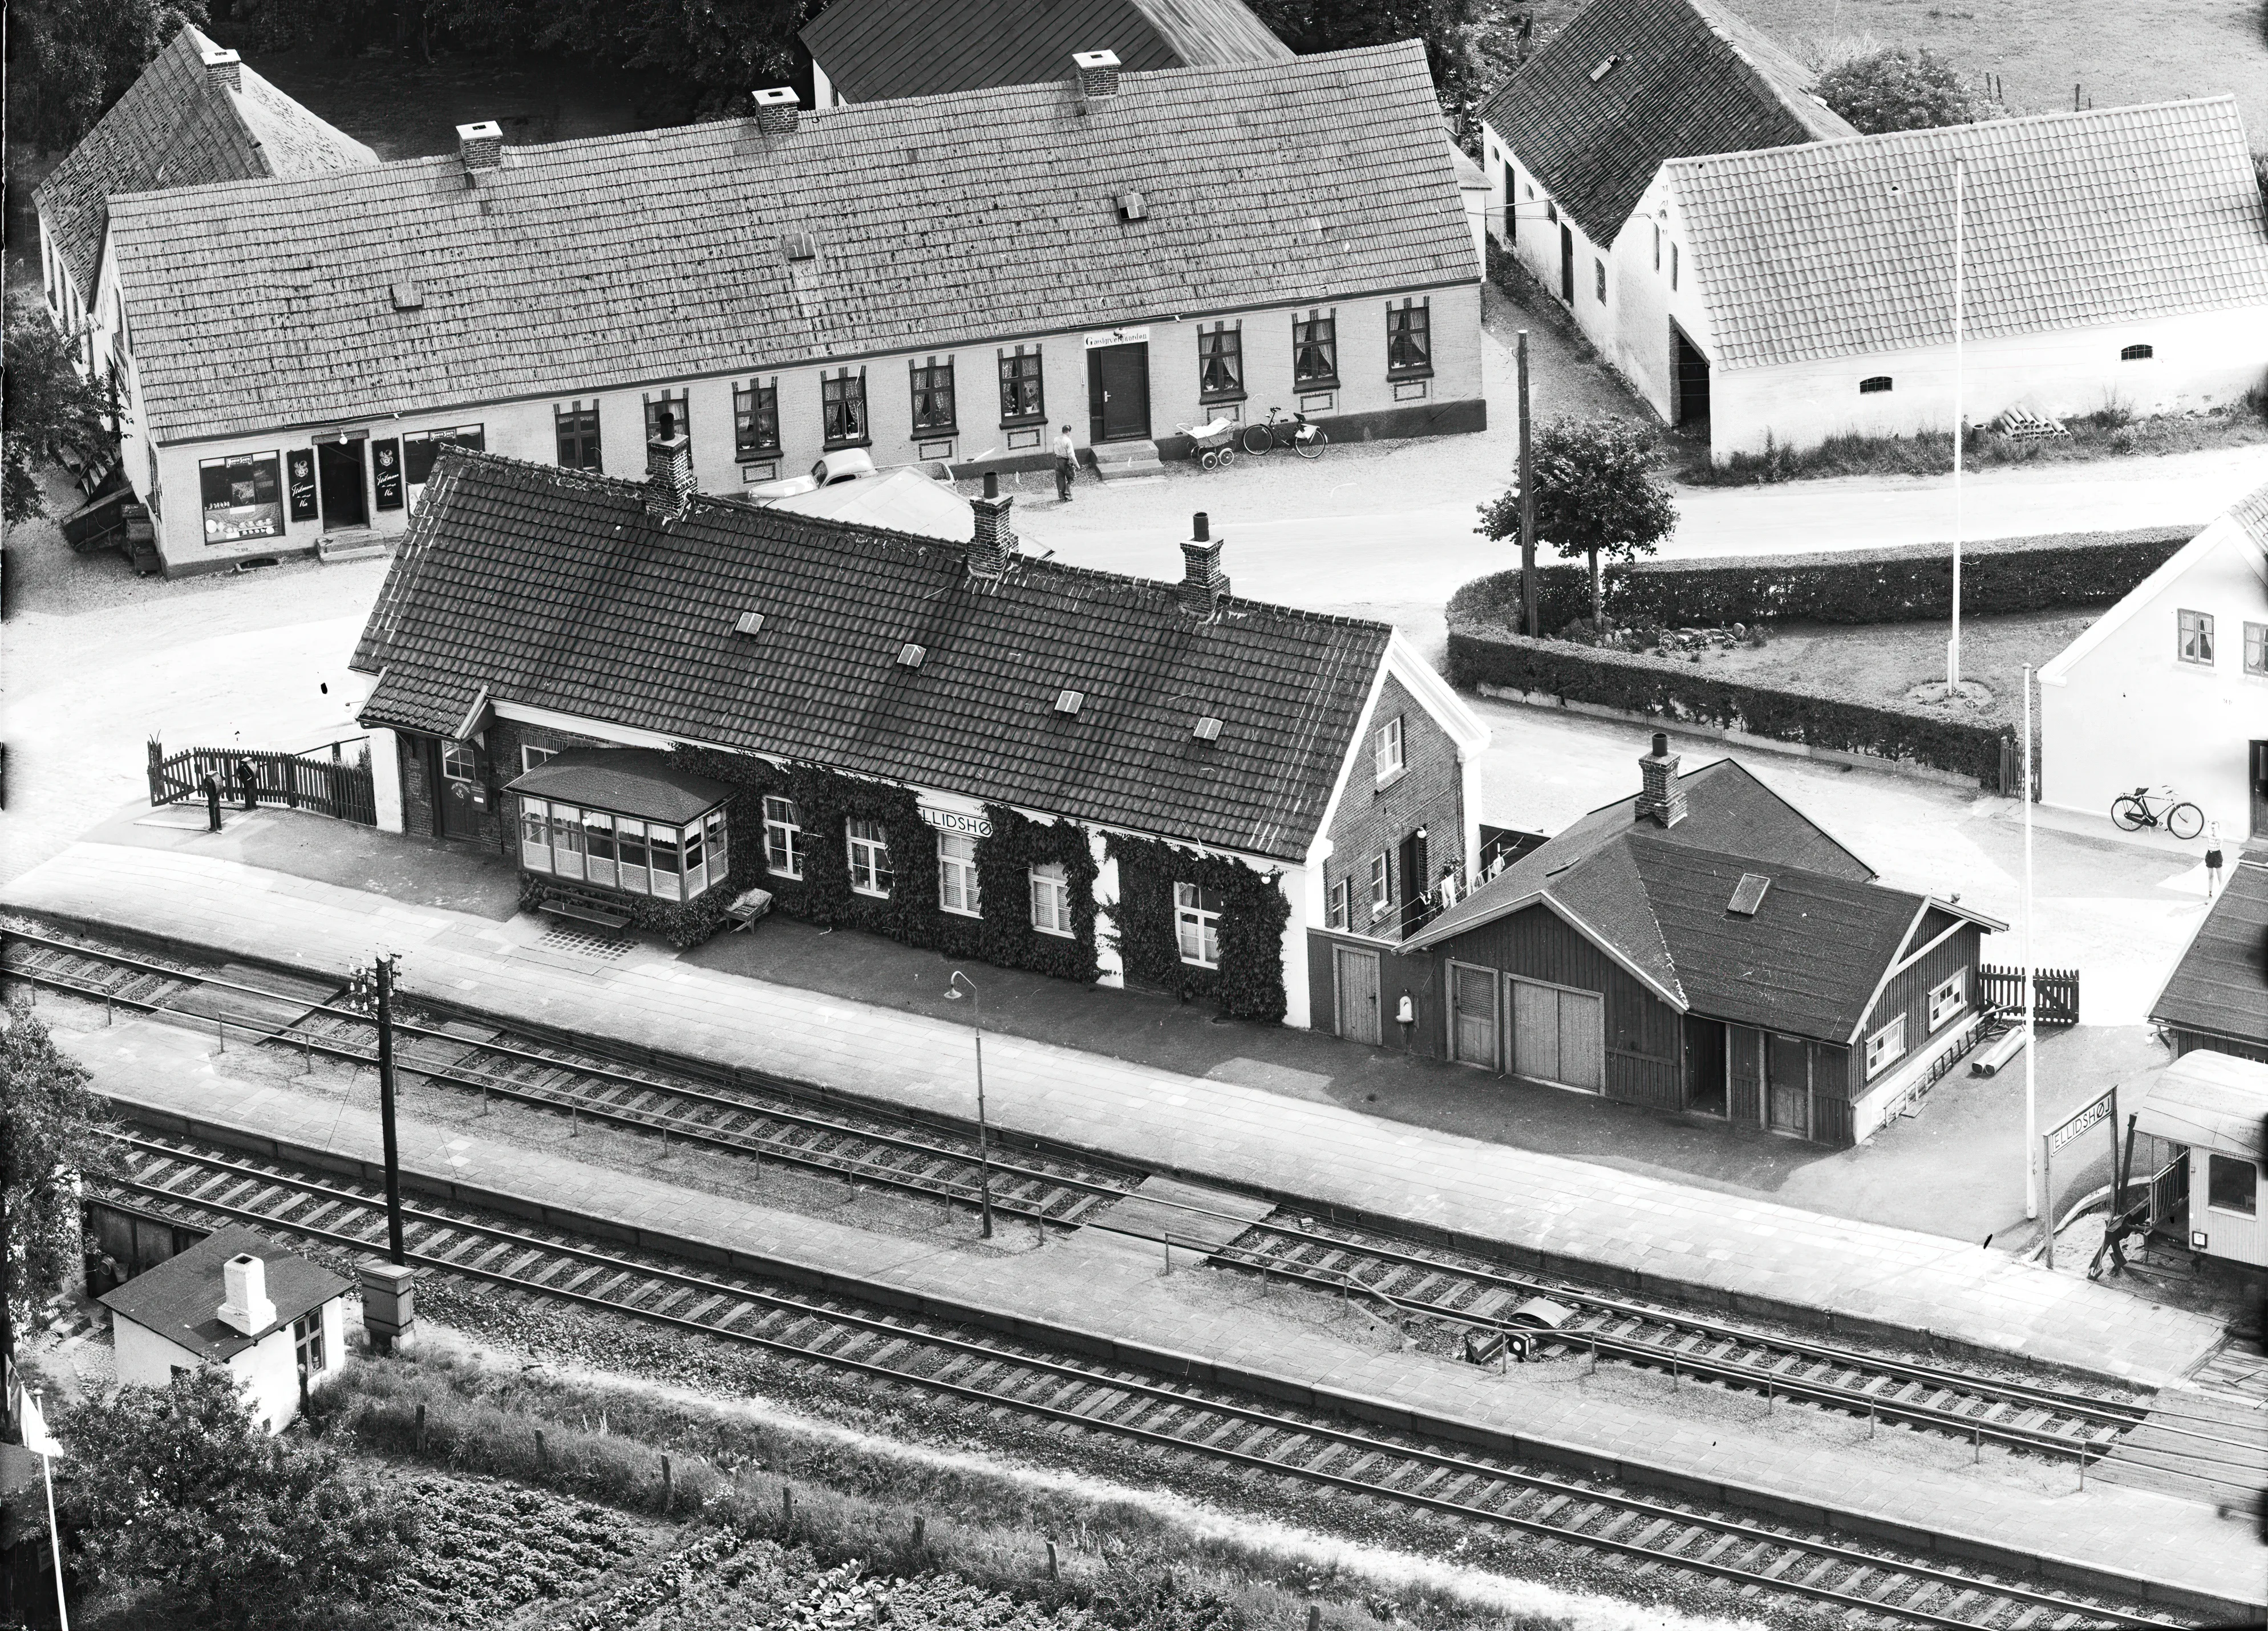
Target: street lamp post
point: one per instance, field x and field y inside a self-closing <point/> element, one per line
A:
<point x="983" y="1150"/>
<point x="1960" y="406"/>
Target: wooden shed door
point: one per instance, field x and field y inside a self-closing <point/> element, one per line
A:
<point x="1748" y="1074"/>
<point x="1357" y="992"/>
<point x="1472" y="997"/>
<point x="1789" y="1085"/>
<point x="1559" y="1035"/>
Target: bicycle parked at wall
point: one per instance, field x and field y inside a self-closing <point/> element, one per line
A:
<point x="1307" y="440"/>
<point x="2157" y="807"/>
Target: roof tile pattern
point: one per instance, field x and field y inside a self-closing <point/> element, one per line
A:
<point x="175" y="128"/>
<point x="1689" y="77"/>
<point x="874" y="49"/>
<point x="2074" y="220"/>
<point x="2220" y="985"/>
<point x="592" y="265"/>
<point x="553" y="590"/>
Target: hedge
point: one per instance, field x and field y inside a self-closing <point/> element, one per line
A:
<point x="1912" y="582"/>
<point x="1674" y="693"/>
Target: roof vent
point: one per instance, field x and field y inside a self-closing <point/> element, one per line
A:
<point x="799" y="246"/>
<point x="910" y="656"/>
<point x="1133" y="207"/>
<point x="1606" y="67"/>
<point x="1070" y="701"/>
<point x="775" y="111"/>
<point x="1749" y="896"/>
<point x="1097" y="72"/>
<point x="407" y="298"/>
<point x="1207" y="729"/>
<point x="750" y="623"/>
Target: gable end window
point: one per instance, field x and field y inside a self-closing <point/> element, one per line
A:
<point x="1386" y="750"/>
<point x="842" y="406"/>
<point x="1315" y="349"/>
<point x="1874" y="385"/>
<point x="1221" y="362"/>
<point x="2255" y="648"/>
<point x="2136" y="353"/>
<point x="2195" y="638"/>
<point x="1948" y="999"/>
<point x="755" y="419"/>
<point x="1885" y="1046"/>
<point x="578" y="426"/>
<point x="1023" y="392"/>
<point x="1410" y="340"/>
<point x="933" y="409"/>
<point x="1196" y="924"/>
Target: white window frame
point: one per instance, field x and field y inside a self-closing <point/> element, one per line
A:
<point x="1195" y="925"/>
<point x="1382" y="885"/>
<point x="1388" y="756"/>
<point x="956" y="870"/>
<point x="531" y="757"/>
<point x="452" y="755"/>
<point x="1948" y="1000"/>
<point x="1051" y="891"/>
<point x="1338" y="910"/>
<point x="2256" y="649"/>
<point x="783" y="833"/>
<point x="1886" y="1047"/>
<point x="2193" y="631"/>
<point x="869" y="857"/>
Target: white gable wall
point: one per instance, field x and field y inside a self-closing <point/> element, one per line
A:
<point x="268" y="1371"/>
<point x="1641" y="301"/>
<point x="1534" y="238"/>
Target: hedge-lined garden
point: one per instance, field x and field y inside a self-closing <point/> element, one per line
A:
<point x="1911" y="583"/>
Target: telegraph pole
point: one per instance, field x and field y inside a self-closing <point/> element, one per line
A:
<point x="1527" y="503"/>
<point x="382" y="984"/>
<point x="389" y="1296"/>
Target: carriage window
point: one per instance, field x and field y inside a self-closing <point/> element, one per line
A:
<point x="2235" y="1185"/>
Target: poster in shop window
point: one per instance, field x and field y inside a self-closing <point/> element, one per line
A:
<point x="386" y="461"/>
<point x="302" y="461"/>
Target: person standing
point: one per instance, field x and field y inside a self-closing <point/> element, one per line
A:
<point x="247" y="783"/>
<point x="1066" y="464"/>
<point x="211" y="787"/>
<point x="2213" y="860"/>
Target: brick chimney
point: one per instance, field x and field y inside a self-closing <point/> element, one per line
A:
<point x="226" y="69"/>
<point x="480" y="146"/>
<point x="1659" y="798"/>
<point x="995" y="538"/>
<point x="1203" y="585"/>
<point x="1097" y="71"/>
<point x="775" y="111"/>
<point x="247" y="1309"/>
<point x="669" y="486"/>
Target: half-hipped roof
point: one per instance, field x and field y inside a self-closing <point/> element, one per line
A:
<point x="2072" y="221"/>
<point x="1681" y="76"/>
<point x="177" y="126"/>
<point x="877" y="49"/>
<point x="529" y="586"/>
<point x="614" y="262"/>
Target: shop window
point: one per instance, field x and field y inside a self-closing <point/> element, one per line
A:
<point x="956" y="875"/>
<point x="1335" y="912"/>
<point x="421" y="448"/>
<point x="1386" y="750"/>
<point x="842" y="406"/>
<point x="1196" y="924"/>
<point x="1315" y="349"/>
<point x="307" y="1344"/>
<point x="1382" y="885"/>
<point x="670" y="408"/>
<point x="1948" y="999"/>
<point x="243" y="497"/>
<point x="755" y="420"/>
<point x="576" y="425"/>
<point x="1023" y="392"/>
<point x="1050" y="900"/>
<point x="782" y="838"/>
<point x="2233" y="1186"/>
<point x="1221" y="362"/>
<point x="2195" y="638"/>
<point x="1408" y="340"/>
<point x="932" y="386"/>
<point x="2255" y="648"/>
<point x="1885" y="1046"/>
<point x="869" y="857"/>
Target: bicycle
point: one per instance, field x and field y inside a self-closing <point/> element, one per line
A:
<point x="2134" y="810"/>
<point x="1307" y="440"/>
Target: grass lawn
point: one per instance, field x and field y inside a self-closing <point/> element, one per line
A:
<point x="1882" y="662"/>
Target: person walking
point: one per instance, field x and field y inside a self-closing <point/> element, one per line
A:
<point x="1066" y="464"/>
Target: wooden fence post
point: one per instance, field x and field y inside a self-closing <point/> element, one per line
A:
<point x="421" y="1430"/>
<point x="668" y="1485"/>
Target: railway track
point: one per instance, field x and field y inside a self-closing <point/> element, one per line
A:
<point x="2209" y="1455"/>
<point x="180" y="1182"/>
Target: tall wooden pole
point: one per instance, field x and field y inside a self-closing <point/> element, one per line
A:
<point x="383" y="983"/>
<point x="1527" y="503"/>
<point x="1960" y="425"/>
<point x="2031" y="986"/>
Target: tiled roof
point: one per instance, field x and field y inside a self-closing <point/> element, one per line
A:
<point x="179" y="1297"/>
<point x="873" y="49"/>
<point x="551" y="589"/>
<point x="2220" y="985"/>
<point x="174" y="128"/>
<point x="1689" y="77"/>
<point x="596" y="265"/>
<point x="2074" y="220"/>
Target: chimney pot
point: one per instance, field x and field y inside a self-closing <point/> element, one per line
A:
<point x="1203" y="585"/>
<point x="994" y="538"/>
<point x="992" y="484"/>
<point x="226" y="69"/>
<point x="1200" y="526"/>
<point x="480" y="146"/>
<point x="775" y="111"/>
<point x="1660" y="799"/>
<point x="1097" y="72"/>
<point x="669" y="485"/>
<point x="247" y="1310"/>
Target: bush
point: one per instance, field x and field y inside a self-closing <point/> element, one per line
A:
<point x="1893" y="89"/>
<point x="1668" y="690"/>
<point x="1912" y="582"/>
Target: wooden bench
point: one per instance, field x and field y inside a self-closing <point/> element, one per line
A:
<point x="583" y="911"/>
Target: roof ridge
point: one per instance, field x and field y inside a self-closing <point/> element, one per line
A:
<point x="1944" y="133"/>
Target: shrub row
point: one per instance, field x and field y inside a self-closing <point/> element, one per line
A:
<point x="1674" y="692"/>
<point x="1911" y="582"/>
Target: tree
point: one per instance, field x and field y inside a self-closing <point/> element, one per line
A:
<point x="70" y="60"/>
<point x="177" y="1492"/>
<point x="1596" y="496"/>
<point x="52" y="1129"/>
<point x="1450" y="29"/>
<point x="42" y="399"/>
<point x="1897" y="90"/>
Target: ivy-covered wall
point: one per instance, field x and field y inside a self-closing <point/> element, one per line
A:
<point x="1249" y="982"/>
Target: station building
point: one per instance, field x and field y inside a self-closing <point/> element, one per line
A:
<point x="942" y="278"/>
<point x="653" y="699"/>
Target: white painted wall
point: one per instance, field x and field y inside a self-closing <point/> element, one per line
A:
<point x="269" y="1370"/>
<point x="2119" y="708"/>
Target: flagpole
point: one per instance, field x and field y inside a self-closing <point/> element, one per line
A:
<point x="2031" y="981"/>
<point x="47" y="1479"/>
<point x="1959" y="176"/>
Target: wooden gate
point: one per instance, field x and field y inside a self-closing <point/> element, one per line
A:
<point x="332" y="786"/>
<point x="2056" y="989"/>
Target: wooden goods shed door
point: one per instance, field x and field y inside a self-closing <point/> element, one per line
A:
<point x="1788" y="1086"/>
<point x="1357" y="982"/>
<point x="1559" y="1035"/>
<point x="1472" y="998"/>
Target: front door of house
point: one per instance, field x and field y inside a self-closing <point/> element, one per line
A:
<point x="1707" y="1075"/>
<point x="1559" y="1035"/>
<point x="1414" y="880"/>
<point x="339" y="475"/>
<point x="460" y="797"/>
<point x="1566" y="264"/>
<point x="1356" y="976"/>
<point x="1118" y="392"/>
<point x="1472" y="1014"/>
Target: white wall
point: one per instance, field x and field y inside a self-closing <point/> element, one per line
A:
<point x="2120" y="710"/>
<point x="269" y="1370"/>
<point x="1534" y="239"/>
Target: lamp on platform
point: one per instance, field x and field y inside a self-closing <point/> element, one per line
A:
<point x="953" y="994"/>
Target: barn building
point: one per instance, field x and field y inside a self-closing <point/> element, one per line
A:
<point x="653" y="699"/>
<point x="1706" y="948"/>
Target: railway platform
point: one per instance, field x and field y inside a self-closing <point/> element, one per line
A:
<point x="1732" y="1251"/>
<point x="1116" y="1287"/>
